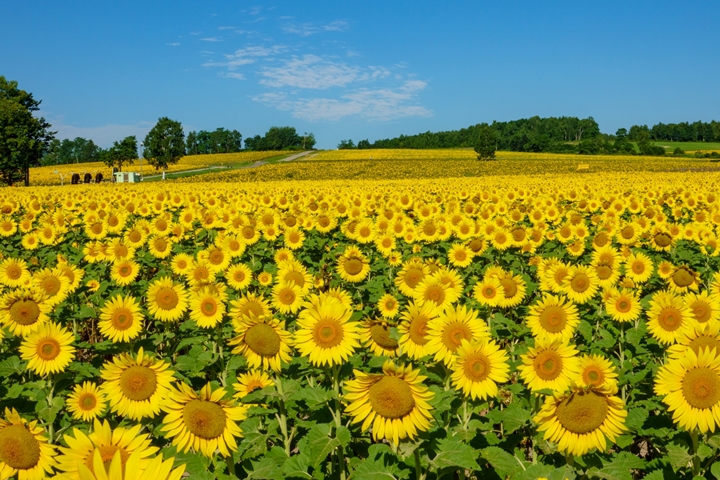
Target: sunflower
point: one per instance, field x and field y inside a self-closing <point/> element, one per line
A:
<point x="489" y="291"/>
<point x="160" y="246"/>
<point x="264" y="278"/>
<point x="116" y="468"/>
<point x="124" y="271"/>
<point x="413" y="328"/>
<point x="215" y="258"/>
<point x="446" y="332"/>
<point x="683" y="279"/>
<point x="293" y="271"/>
<point x="549" y="364"/>
<point x="121" y="319"/>
<point x="48" y="349"/>
<point x="553" y="318"/>
<point x="582" y="419"/>
<point x="580" y="284"/>
<point x="207" y="307"/>
<point x="249" y="306"/>
<point x="251" y="381"/>
<point x="325" y="333"/>
<point x="352" y="265"/>
<point x="668" y="317"/>
<point x="239" y="276"/>
<point x="203" y="422"/>
<point x="86" y="402"/>
<point x="701" y="335"/>
<point x="623" y="305"/>
<point x="23" y="311"/>
<point x="388" y="306"/>
<point x="704" y="306"/>
<point x="376" y="335"/>
<point x="181" y="263"/>
<point x="513" y="287"/>
<point x="287" y="297"/>
<point x="108" y="442"/>
<point x="410" y="276"/>
<point x="74" y="274"/>
<point x="263" y="341"/>
<point x="200" y="273"/>
<point x="24" y="450"/>
<point x="432" y="290"/>
<point x="595" y="371"/>
<point x="395" y="403"/>
<point x="136" y="387"/>
<point x="460" y="255"/>
<point x="339" y="294"/>
<point x="691" y="387"/>
<point x="554" y="276"/>
<point x="167" y="300"/>
<point x="479" y="367"/>
<point x="52" y="284"/>
<point x="639" y="267"/>
<point x="14" y="272"/>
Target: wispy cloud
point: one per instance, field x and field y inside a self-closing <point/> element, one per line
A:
<point x="370" y="104"/>
<point x="173" y="44"/>
<point x="103" y="135"/>
<point x="307" y="29"/>
<point x="235" y="75"/>
<point x="227" y="28"/>
<point x="245" y="56"/>
<point x="211" y="39"/>
<point x="313" y="72"/>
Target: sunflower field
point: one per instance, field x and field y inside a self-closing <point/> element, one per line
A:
<point x="518" y="326"/>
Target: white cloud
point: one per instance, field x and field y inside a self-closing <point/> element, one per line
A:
<point x="227" y="28"/>
<point x="237" y="76"/>
<point x="307" y="29"/>
<point x="174" y="44"/>
<point x="255" y="10"/>
<point x="245" y="56"/>
<point x="211" y="39"/>
<point x="103" y="135"/>
<point x="370" y="104"/>
<point x="313" y="72"/>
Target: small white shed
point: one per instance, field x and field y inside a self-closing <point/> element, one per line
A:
<point x="127" y="177"/>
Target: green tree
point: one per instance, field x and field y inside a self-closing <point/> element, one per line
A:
<point x="23" y="137"/>
<point x="164" y="144"/>
<point x="346" y="144"/>
<point x="121" y="153"/>
<point x="486" y="142"/>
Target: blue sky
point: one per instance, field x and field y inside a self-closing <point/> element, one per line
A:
<point x="370" y="69"/>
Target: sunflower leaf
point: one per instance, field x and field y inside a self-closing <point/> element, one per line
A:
<point x="453" y="453"/>
<point x="506" y="465"/>
<point x="377" y="469"/>
<point x="678" y="455"/>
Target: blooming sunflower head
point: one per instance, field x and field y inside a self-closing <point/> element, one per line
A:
<point x="377" y="335"/>
<point x="121" y="319"/>
<point x="24" y="450"/>
<point x="167" y="300"/>
<point x="263" y="341"/>
<point x="554" y="318"/>
<point x="251" y="381"/>
<point x="86" y="402"/>
<point x="549" y="364"/>
<point x="48" y="349"/>
<point x="395" y="404"/>
<point x="452" y="326"/>
<point x="325" y="333"/>
<point x="479" y="367"/>
<point x="24" y="311"/>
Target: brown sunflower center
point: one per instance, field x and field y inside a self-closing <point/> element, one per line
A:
<point x="328" y="333"/>
<point x="683" y="277"/>
<point x="287" y="296"/>
<point x="509" y="287"/>
<point x="167" y="298"/>
<point x="580" y="282"/>
<point x="553" y="318"/>
<point x="134" y="236"/>
<point x="381" y="335"/>
<point x="623" y="305"/>
<point x="604" y="272"/>
<point x="593" y="375"/>
<point x="663" y="239"/>
<point x="476" y="367"/>
<point x="138" y="383"/>
<point x="216" y="257"/>
<point x="295" y="277"/>
<point x="453" y="335"/>
<point x="125" y="270"/>
<point x="25" y="312"/>
<point x="160" y="244"/>
<point x="122" y="319"/>
<point x="418" y="329"/>
<point x="670" y="319"/>
<point x="204" y="419"/>
<point x="627" y="232"/>
<point x="638" y="267"/>
<point x="548" y="365"/>
<point x="208" y="307"/>
<point x="263" y="340"/>
<point x="252" y="308"/>
<point x="582" y="412"/>
<point x="435" y="294"/>
<point x="353" y="266"/>
<point x="460" y="255"/>
<point x="704" y="342"/>
<point x="107" y="453"/>
<point x="391" y="397"/>
<point x="51" y="285"/>
<point x="701" y="387"/>
<point x="18" y="447"/>
<point x="87" y="401"/>
<point x="239" y="276"/>
<point x="701" y="311"/>
<point x="413" y="276"/>
<point x="48" y="349"/>
<point x="489" y="292"/>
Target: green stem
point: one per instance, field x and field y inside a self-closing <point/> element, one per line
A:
<point x="570" y="460"/>
<point x="338" y="420"/>
<point x="282" y="416"/>
<point x="419" y="475"/>
<point x="695" y="458"/>
<point x="230" y="461"/>
<point x="219" y="342"/>
<point x="51" y="392"/>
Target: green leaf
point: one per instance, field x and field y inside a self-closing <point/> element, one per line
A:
<point x="297" y="466"/>
<point x="514" y="417"/>
<point x="195" y="463"/>
<point x="453" y="453"/>
<point x="318" y="444"/>
<point x="505" y="464"/>
<point x="314" y="396"/>
<point x="636" y="418"/>
<point x="11" y="366"/>
<point x="715" y="470"/>
<point x="678" y="456"/>
<point x="378" y="470"/>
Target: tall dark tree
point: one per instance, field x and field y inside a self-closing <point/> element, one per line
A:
<point x="164" y="144"/>
<point x="486" y="142"/>
<point x="280" y="138"/>
<point x="23" y="137"/>
<point x="121" y="153"/>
